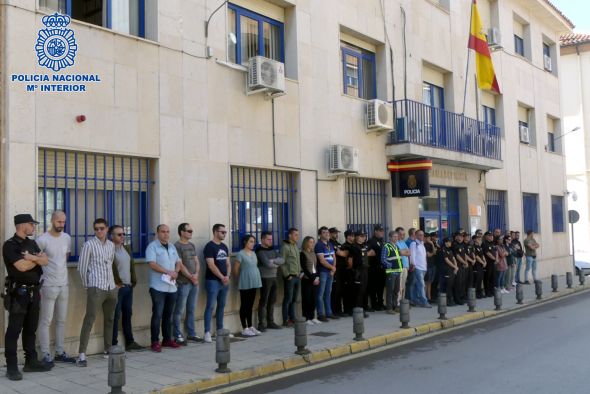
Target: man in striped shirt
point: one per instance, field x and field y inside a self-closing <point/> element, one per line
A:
<point x="96" y="270"/>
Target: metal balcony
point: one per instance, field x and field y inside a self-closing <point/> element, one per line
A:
<point x="445" y="137"/>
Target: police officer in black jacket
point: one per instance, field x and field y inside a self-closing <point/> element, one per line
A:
<point x="23" y="260"/>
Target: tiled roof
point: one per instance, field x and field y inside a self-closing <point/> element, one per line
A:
<point x="574" y="39"/>
<point x="560" y="13"/>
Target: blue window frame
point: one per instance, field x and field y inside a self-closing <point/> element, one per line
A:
<point x="358" y="72"/>
<point x="489" y="115"/>
<point x="546" y="50"/>
<point x="530" y="209"/>
<point x="262" y="200"/>
<point x="366" y="201"/>
<point x="551" y="141"/>
<point x="100" y="13"/>
<point x="557" y="214"/>
<point x="496" y="209"/>
<point x="440" y="211"/>
<point x="89" y="185"/>
<point x="518" y="45"/>
<point x="434" y="120"/>
<point x="254" y="35"/>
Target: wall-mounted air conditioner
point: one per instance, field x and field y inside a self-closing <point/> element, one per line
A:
<point x="344" y="159"/>
<point x="379" y="116"/>
<point x="265" y="75"/>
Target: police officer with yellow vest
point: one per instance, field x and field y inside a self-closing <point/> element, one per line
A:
<point x="23" y="259"/>
<point x="391" y="260"/>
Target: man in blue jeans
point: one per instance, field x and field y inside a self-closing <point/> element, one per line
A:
<point x="188" y="286"/>
<point x="164" y="262"/>
<point x="530" y="249"/>
<point x="218" y="268"/>
<point x="291" y="270"/>
<point x="325" y="253"/>
<point x="418" y="260"/>
<point x="125" y="279"/>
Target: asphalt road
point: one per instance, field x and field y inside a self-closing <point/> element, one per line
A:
<point x="541" y="350"/>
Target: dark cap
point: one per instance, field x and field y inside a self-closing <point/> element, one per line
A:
<point x="348" y="233"/>
<point x="24" y="218"/>
<point x="447" y="239"/>
<point x="378" y="227"/>
<point x="358" y="233"/>
<point x="333" y="230"/>
<point x="488" y="233"/>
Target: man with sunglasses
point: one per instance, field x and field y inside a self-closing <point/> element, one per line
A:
<point x="96" y="271"/>
<point x="188" y="286"/>
<point x="125" y="279"/>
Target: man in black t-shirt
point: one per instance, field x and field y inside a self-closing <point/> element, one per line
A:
<point x="376" y="283"/>
<point x="489" y="252"/>
<point x="23" y="259"/>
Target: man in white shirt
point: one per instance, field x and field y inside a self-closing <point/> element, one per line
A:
<point x="56" y="244"/>
<point x="418" y="260"/>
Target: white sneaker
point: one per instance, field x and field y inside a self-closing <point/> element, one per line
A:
<point x="513" y="283"/>
<point x="505" y="291"/>
<point x="310" y="323"/>
<point x="255" y="331"/>
<point x="316" y="321"/>
<point x="207" y="337"/>
<point x="247" y="333"/>
<point x="231" y="335"/>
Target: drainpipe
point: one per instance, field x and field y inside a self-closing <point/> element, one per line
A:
<point x="3" y="134"/>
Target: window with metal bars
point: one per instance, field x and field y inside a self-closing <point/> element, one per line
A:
<point x="557" y="215"/>
<point x="262" y="200"/>
<point x="530" y="208"/>
<point x="365" y="204"/>
<point x="496" y="209"/>
<point x="90" y="185"/>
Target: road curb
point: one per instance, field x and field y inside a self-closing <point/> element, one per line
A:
<point x="324" y="355"/>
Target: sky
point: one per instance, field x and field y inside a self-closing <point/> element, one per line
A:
<point x="578" y="11"/>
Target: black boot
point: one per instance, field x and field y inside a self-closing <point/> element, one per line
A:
<point x="34" y="365"/>
<point x="12" y="373"/>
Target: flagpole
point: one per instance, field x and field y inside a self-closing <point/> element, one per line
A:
<point x="468" y="57"/>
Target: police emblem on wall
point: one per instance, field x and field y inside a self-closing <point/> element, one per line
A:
<point x="409" y="178"/>
<point x="56" y="45"/>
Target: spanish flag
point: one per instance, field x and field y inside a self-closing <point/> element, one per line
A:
<point x="486" y="77"/>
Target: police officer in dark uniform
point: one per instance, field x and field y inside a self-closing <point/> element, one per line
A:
<point x="348" y="274"/>
<point x="376" y="283"/>
<point x="23" y="259"/>
<point x="450" y="269"/>
<point x="360" y="264"/>
<point x="478" y="267"/>
<point x="489" y="251"/>
<point x="470" y="258"/>
<point x="461" y="275"/>
<point x="339" y="280"/>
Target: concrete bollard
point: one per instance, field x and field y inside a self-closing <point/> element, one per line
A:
<point x="519" y="294"/>
<point x="569" y="280"/>
<point x="582" y="278"/>
<point x="471" y="302"/>
<point x="404" y="313"/>
<point x="539" y="289"/>
<point x="222" y="351"/>
<point x="358" y="323"/>
<point x="301" y="336"/>
<point x="116" y="369"/>
<point x="554" y="284"/>
<point x="498" y="298"/>
<point x="442" y="306"/>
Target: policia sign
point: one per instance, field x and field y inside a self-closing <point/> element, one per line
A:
<point x="409" y="178"/>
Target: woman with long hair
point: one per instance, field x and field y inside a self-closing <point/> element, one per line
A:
<point x="246" y="267"/>
<point x="310" y="280"/>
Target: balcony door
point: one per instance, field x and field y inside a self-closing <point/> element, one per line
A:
<point x="434" y="97"/>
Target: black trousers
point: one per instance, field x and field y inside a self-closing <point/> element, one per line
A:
<point x="348" y="290"/>
<point x="266" y="303"/>
<point x="338" y="286"/>
<point x="308" y="297"/>
<point x="478" y="272"/>
<point x="469" y="275"/>
<point x="23" y="316"/>
<point x="489" y="278"/>
<point x="360" y="284"/>
<point x="376" y="286"/>
<point x="247" y="297"/>
<point x="450" y="285"/>
<point x="459" y="285"/>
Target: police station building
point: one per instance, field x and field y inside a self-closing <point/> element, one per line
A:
<point x="266" y="115"/>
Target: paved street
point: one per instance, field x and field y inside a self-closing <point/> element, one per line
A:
<point x="542" y="350"/>
<point x="147" y="371"/>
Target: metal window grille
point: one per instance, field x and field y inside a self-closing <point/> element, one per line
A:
<point x="262" y="200"/>
<point x="365" y="203"/>
<point x="530" y="208"/>
<point x="496" y="209"/>
<point x="557" y="215"/>
<point x="90" y="185"/>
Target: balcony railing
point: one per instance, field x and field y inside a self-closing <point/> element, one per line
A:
<point x="422" y="124"/>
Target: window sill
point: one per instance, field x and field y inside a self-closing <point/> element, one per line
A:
<point x="233" y="66"/>
<point x="354" y="97"/>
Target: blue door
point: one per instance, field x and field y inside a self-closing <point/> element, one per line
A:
<point x="440" y="211"/>
<point x="434" y="97"/>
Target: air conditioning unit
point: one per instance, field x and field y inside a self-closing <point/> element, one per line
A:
<point x="547" y="63"/>
<point x="265" y="75"/>
<point x="493" y="37"/>
<point x="525" y="136"/>
<point x="379" y="115"/>
<point x="344" y="159"/>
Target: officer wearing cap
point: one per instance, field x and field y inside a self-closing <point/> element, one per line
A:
<point x="489" y="251"/>
<point x="376" y="273"/>
<point x="339" y="279"/>
<point x="348" y="273"/>
<point x="23" y="259"/>
<point x="360" y="264"/>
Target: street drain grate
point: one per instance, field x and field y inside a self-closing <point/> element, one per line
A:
<point x="323" y="334"/>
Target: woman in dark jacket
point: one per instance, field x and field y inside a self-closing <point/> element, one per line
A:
<point x="310" y="280"/>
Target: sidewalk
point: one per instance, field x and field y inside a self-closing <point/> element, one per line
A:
<point x="191" y="368"/>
